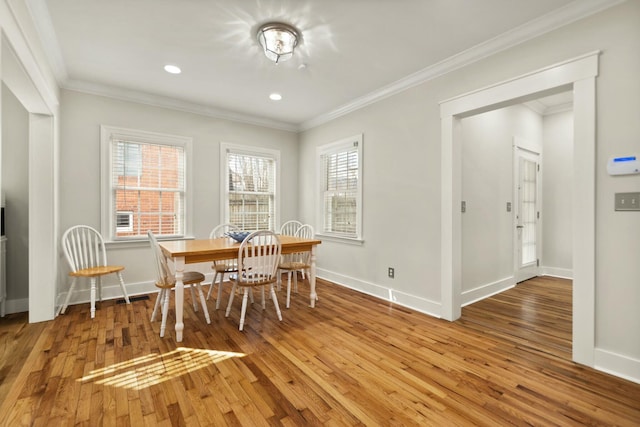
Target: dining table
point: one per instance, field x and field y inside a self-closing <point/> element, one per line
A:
<point x="193" y="251"/>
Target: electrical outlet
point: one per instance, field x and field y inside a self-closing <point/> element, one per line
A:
<point x="392" y="272"/>
<point x="627" y="201"/>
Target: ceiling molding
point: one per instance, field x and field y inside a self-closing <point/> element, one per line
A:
<point x="570" y="13"/>
<point x="561" y="108"/>
<point x="173" y="104"/>
<point x="44" y="27"/>
<point x="544" y="110"/>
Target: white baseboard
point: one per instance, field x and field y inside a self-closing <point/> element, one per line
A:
<point x="414" y="302"/>
<point x="16" y="305"/>
<point x="485" y="291"/>
<point x="113" y="291"/>
<point x="563" y="273"/>
<point x="618" y="365"/>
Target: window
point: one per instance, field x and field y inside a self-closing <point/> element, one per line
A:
<point x="249" y="186"/>
<point x="144" y="184"/>
<point x="340" y="197"/>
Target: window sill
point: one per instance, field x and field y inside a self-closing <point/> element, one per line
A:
<point x="139" y="243"/>
<point x="340" y="239"/>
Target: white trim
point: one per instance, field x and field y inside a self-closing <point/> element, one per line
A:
<point x="341" y="145"/>
<point x="107" y="135"/>
<point x="393" y="296"/>
<point x="16" y="305"/>
<point x="43" y="244"/>
<point x="617" y="364"/>
<point x="82" y="292"/>
<point x="173" y="104"/>
<point x="572" y="12"/>
<point x="563" y="273"/>
<point x="565" y="15"/>
<point x="339" y="239"/>
<point x="46" y="92"/>
<point x="580" y="73"/>
<point x="485" y="291"/>
<point x="40" y="14"/>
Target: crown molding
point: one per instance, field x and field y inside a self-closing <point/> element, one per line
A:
<point x="173" y="104"/>
<point x="538" y="107"/>
<point x="40" y="14"/>
<point x="568" y="14"/>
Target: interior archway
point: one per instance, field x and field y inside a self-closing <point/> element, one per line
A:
<point x="578" y="74"/>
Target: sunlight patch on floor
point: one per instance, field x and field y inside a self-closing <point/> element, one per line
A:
<point x="153" y="369"/>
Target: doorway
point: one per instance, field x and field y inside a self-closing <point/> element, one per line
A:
<point x="578" y="75"/>
<point x="526" y="168"/>
<point x="29" y="87"/>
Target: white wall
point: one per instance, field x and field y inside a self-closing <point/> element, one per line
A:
<point x="402" y="178"/>
<point x="401" y="169"/>
<point x="557" y="194"/>
<point x="82" y="115"/>
<point x="15" y="184"/>
<point x="487" y="186"/>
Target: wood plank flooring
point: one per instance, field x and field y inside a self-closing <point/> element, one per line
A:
<point x="353" y="360"/>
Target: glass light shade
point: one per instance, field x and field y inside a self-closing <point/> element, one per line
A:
<point x="278" y="41"/>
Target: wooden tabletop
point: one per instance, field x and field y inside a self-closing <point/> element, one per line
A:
<point x="202" y="250"/>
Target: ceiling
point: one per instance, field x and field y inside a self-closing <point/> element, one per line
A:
<point x="352" y="52"/>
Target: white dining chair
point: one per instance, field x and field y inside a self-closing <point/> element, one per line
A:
<point x="166" y="281"/>
<point x="290" y="228"/>
<point x="86" y="256"/>
<point x="222" y="267"/>
<point x="296" y="262"/>
<point x="258" y="258"/>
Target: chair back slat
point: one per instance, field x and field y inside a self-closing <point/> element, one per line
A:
<point x="83" y="247"/>
<point x="221" y="229"/>
<point x="290" y="228"/>
<point x="163" y="273"/>
<point x="304" y="232"/>
<point x="258" y="258"/>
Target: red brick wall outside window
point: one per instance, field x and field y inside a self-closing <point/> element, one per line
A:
<point x="149" y="189"/>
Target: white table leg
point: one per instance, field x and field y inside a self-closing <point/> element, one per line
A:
<point x="179" y="290"/>
<point x="312" y="276"/>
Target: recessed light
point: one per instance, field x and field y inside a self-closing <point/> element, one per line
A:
<point x="275" y="97"/>
<point x="172" y="69"/>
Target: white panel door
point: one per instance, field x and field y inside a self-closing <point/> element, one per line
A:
<point x="527" y="214"/>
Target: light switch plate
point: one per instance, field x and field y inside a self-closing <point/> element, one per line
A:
<point x="627" y="202"/>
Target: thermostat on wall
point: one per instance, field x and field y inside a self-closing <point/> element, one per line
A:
<point x="624" y="165"/>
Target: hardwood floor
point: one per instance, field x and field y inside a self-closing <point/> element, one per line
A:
<point x="353" y="360"/>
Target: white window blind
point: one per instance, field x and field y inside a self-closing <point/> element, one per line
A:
<point x="147" y="186"/>
<point x="250" y="195"/>
<point x="341" y="187"/>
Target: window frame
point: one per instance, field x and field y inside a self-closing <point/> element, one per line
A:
<point x="225" y="148"/>
<point x="108" y="221"/>
<point x="342" y="145"/>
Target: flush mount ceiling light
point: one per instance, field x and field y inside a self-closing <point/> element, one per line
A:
<point x="278" y="41"/>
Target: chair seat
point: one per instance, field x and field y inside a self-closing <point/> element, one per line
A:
<point x="86" y="257"/>
<point x="234" y="279"/>
<point x="293" y="265"/>
<point x="222" y="267"/>
<point x="188" y="278"/>
<point x="166" y="281"/>
<point x="97" y="271"/>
